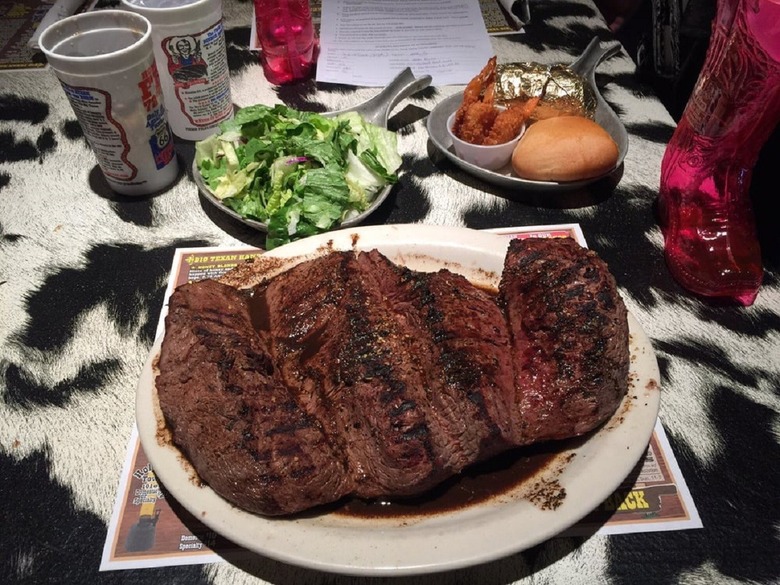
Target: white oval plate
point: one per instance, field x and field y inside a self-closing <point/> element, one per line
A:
<point x="585" y="65"/>
<point x="504" y="177"/>
<point x="507" y="524"/>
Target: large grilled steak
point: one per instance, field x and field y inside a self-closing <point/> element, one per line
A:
<point x="348" y="375"/>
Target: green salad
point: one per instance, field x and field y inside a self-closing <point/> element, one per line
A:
<point x="300" y="173"/>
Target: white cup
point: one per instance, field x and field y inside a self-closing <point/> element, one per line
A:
<point x="106" y="66"/>
<point x="189" y="45"/>
<point x="491" y="158"/>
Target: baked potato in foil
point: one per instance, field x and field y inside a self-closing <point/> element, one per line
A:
<point x="561" y="91"/>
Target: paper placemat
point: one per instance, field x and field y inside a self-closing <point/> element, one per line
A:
<point x="149" y="530"/>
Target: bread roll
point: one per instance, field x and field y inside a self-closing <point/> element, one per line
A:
<point x="564" y="148"/>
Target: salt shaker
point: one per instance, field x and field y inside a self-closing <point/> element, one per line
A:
<point x="287" y="39"/>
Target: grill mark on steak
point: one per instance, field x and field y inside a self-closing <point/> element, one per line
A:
<point x="248" y="444"/>
<point x="454" y="425"/>
<point x="338" y="348"/>
<point x="569" y="336"/>
<point x="381" y="387"/>
<point x="350" y="375"/>
<point x="475" y="342"/>
<point x="466" y="358"/>
<point x="299" y="304"/>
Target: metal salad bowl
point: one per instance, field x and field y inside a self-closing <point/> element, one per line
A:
<point x="605" y="116"/>
<point x="375" y="110"/>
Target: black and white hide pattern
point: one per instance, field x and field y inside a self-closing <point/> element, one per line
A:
<point x="82" y="277"/>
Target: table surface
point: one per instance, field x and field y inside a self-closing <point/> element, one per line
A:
<point x="83" y="273"/>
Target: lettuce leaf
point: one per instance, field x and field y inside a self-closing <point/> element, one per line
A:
<point x="299" y="172"/>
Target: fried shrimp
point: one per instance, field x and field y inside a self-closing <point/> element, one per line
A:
<point x="478" y="93"/>
<point x="477" y="89"/>
<point x="509" y="122"/>
<point x="479" y="121"/>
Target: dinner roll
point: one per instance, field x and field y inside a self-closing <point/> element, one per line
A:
<point x="564" y="148"/>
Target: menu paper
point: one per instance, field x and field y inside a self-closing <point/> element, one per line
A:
<point x="150" y="529"/>
<point x="499" y="20"/>
<point x="60" y="10"/>
<point x="367" y="42"/>
<point x="18" y="22"/>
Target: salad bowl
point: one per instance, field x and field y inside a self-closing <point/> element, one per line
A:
<point x="349" y="221"/>
<point x="375" y="110"/>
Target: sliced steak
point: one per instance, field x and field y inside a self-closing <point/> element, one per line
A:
<point x="411" y="371"/>
<point x="461" y="344"/>
<point x="454" y="358"/>
<point x="569" y="338"/>
<point x="350" y="375"/>
<point x="243" y="431"/>
<point x="343" y="354"/>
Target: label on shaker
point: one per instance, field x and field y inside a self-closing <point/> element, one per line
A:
<point x="108" y="138"/>
<point x="197" y="64"/>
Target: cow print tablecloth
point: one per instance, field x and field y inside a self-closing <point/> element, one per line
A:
<point x="82" y="277"/>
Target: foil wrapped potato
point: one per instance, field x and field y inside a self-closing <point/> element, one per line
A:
<point x="561" y="91"/>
